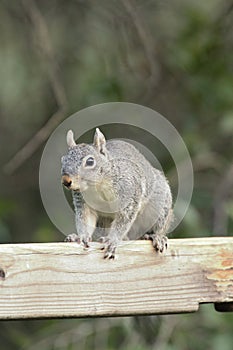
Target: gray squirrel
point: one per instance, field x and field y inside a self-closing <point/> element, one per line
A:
<point x="116" y="188"/>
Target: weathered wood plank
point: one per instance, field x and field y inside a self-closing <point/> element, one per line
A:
<point x="64" y="280"/>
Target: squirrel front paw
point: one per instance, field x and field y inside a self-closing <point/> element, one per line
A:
<point x="109" y="247"/>
<point x="159" y="242"/>
<point x="73" y="237"/>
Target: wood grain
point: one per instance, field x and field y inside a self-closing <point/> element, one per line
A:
<point x="64" y="280"/>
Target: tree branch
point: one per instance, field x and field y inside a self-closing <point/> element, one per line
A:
<point x="146" y="39"/>
<point x="40" y="31"/>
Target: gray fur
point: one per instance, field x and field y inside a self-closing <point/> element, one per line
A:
<point x="116" y="188"/>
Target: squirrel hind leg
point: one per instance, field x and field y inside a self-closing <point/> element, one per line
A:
<point x="157" y="234"/>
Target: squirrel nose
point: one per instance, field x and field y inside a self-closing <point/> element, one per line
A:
<point x="66" y="180"/>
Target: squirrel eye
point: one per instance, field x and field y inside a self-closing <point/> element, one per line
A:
<point x="90" y="161"/>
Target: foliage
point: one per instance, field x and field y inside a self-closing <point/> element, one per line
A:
<point x="175" y="57"/>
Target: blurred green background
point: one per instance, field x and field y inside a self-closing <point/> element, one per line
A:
<point x="57" y="57"/>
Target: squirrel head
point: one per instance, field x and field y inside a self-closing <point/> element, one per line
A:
<point x="83" y="164"/>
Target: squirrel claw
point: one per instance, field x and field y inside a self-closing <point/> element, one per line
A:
<point x="86" y="241"/>
<point x="73" y="237"/>
<point x="160" y="243"/>
<point x="109" y="247"/>
<point x="110" y="253"/>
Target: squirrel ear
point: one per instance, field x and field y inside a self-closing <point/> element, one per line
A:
<point x="100" y="141"/>
<point x="70" y="139"/>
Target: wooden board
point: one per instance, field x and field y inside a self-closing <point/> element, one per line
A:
<point x="64" y="280"/>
